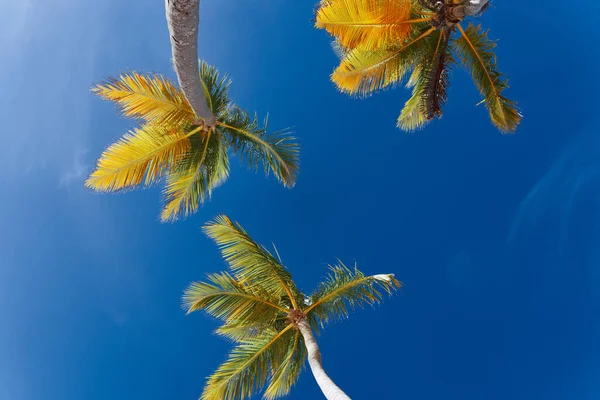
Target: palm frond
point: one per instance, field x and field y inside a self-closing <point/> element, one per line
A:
<point x="429" y="82"/>
<point x="364" y="71"/>
<point x="152" y="98"/>
<point x="412" y="116"/>
<point x="368" y="24"/>
<point x="286" y="373"/>
<point x="222" y="297"/>
<point x="251" y="263"/>
<point x="277" y="152"/>
<point x="216" y="89"/>
<point x="475" y="50"/>
<point x="238" y="332"/>
<point x="190" y="183"/>
<point x="247" y="369"/>
<point x="345" y="289"/>
<point x="437" y="78"/>
<point x="147" y="152"/>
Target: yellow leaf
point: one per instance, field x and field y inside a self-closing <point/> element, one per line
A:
<point x="368" y="24"/>
<point x="152" y="98"/>
<point x="363" y="72"/>
<point x="147" y="152"/>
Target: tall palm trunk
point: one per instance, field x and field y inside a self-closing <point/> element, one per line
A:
<point x="329" y="389"/>
<point x="183" y="17"/>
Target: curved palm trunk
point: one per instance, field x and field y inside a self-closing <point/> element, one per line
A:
<point x="329" y="389"/>
<point x="183" y="17"/>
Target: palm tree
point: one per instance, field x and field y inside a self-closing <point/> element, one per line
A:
<point x="172" y="142"/>
<point x="382" y="41"/>
<point x="269" y="319"/>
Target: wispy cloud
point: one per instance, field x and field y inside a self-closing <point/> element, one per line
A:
<point x="574" y="176"/>
<point x="77" y="171"/>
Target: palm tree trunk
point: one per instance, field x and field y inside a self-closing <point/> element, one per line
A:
<point x="183" y="17"/>
<point x="329" y="389"/>
<point x="473" y="7"/>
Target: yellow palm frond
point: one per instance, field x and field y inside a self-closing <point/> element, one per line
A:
<point x="192" y="181"/>
<point x="152" y="98"/>
<point x="147" y="152"/>
<point x="363" y="72"/>
<point x="368" y="24"/>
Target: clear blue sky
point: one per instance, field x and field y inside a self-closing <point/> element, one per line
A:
<point x="495" y="237"/>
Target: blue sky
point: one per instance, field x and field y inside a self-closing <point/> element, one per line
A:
<point x="495" y="237"/>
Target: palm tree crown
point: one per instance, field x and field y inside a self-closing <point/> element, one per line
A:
<point x="382" y="41"/>
<point x="260" y="308"/>
<point x="173" y="143"/>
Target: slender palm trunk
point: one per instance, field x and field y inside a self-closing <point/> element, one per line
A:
<point x="183" y="17"/>
<point x="329" y="389"/>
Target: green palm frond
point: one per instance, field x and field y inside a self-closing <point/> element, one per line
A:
<point x="238" y="332"/>
<point x="251" y="263"/>
<point x="475" y="50"/>
<point x="191" y="182"/>
<point x="152" y="98"/>
<point x="345" y="289"/>
<point x="288" y="370"/>
<point x="277" y="152"/>
<point x="430" y="81"/>
<point x="224" y="298"/>
<point x="412" y="118"/>
<point x="248" y="367"/>
<point x="216" y="89"/>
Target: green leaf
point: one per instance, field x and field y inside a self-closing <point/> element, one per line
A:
<point x="224" y="298"/>
<point x="192" y="181"/>
<point x="276" y="152"/>
<point x="345" y="289"/>
<point x="251" y="263"/>
<point x="248" y="367"/>
<point x="476" y="51"/>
